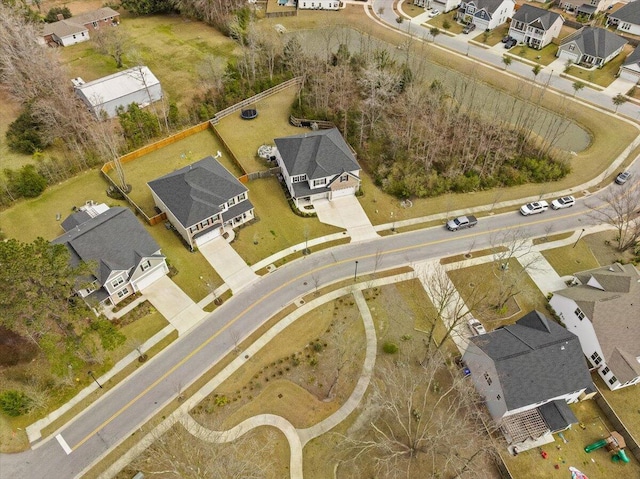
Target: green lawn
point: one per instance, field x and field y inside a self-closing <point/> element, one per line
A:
<point x="438" y="21"/>
<point x="569" y="259"/>
<point x="171" y="46"/>
<point x="492" y="37"/>
<point x="602" y="76"/>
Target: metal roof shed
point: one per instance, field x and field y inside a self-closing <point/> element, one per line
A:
<point x="135" y="85"/>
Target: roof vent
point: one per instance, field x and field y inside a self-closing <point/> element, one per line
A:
<point x="77" y="82"/>
<point x="611" y="269"/>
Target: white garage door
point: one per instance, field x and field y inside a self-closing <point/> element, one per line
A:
<point x="205" y="238"/>
<point x="629" y="75"/>
<point x="567" y="55"/>
<point x="150" y="278"/>
<point x="343" y="192"/>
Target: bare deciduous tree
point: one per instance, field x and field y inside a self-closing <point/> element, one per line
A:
<point x="425" y="417"/>
<point x="622" y="211"/>
<point x="112" y="42"/>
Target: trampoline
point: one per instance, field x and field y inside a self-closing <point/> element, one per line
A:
<point x="249" y="113"/>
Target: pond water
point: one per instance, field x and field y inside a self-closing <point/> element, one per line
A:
<point x="479" y="97"/>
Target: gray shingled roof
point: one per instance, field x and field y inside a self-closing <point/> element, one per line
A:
<point x="536" y="360"/>
<point x="529" y="14"/>
<point x="489" y="6"/>
<point x="629" y="13"/>
<point x="610" y="297"/>
<point x="558" y="415"/>
<point x="596" y="42"/>
<point x="317" y="154"/>
<point x="75" y="219"/>
<point x="114" y="239"/>
<point x="196" y="192"/>
<point x="634" y="58"/>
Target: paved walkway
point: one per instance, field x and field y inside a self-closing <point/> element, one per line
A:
<point x="346" y="212"/>
<point x="228" y="264"/>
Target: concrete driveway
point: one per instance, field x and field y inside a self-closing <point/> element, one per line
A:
<point x="173" y="304"/>
<point x="228" y="264"/>
<point x="346" y="212"/>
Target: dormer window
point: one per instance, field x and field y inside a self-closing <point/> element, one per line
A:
<point x="578" y="312"/>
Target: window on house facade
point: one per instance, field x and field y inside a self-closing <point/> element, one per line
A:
<point x="231" y="202"/>
<point x="117" y="282"/>
<point x="605" y="371"/>
<point x="205" y="223"/>
<point x="146" y="265"/>
<point x="625" y="26"/>
<point x="95" y="24"/>
<point x="595" y="357"/>
<point x="298" y="178"/>
<point x="488" y="378"/>
<point x="123" y="292"/>
<point x="498" y="397"/>
<point x="320" y="182"/>
<point x="579" y="314"/>
<point x="242" y="197"/>
<point x="344" y="178"/>
<point x="613" y="380"/>
<point x="572" y="47"/>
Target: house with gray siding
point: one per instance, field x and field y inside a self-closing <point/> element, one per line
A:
<point x="317" y="165"/>
<point x="485" y="14"/>
<point x="534" y="26"/>
<point x="626" y="19"/>
<point x="591" y="47"/>
<point x="202" y="201"/>
<point x="105" y="95"/>
<point x="603" y="310"/>
<point x="126" y="258"/>
<point x="527" y="373"/>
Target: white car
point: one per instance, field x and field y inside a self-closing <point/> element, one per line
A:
<point x="476" y="327"/>
<point x="434" y="12"/>
<point x="564" y="202"/>
<point x="534" y="208"/>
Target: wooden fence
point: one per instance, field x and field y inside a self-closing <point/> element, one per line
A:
<point x="616" y="422"/>
<point x="263" y="174"/>
<point x="304" y="123"/>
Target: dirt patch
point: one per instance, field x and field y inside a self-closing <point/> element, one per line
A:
<point x="14" y="349"/>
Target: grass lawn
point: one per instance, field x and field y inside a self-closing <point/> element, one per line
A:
<point x="596" y="464"/>
<point x="543" y="57"/>
<point x="492" y="37"/>
<point x="412" y="10"/>
<point x="244" y="137"/>
<point x="28" y="219"/>
<point x="624" y="402"/>
<point x="156" y="39"/>
<point x="277" y="227"/>
<point x="602" y="246"/>
<point x="482" y="279"/>
<point x="602" y="76"/>
<point x="10" y="111"/>
<point x="569" y="260"/>
<point x="438" y="21"/>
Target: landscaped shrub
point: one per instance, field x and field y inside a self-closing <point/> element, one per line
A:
<point x="26" y="182"/>
<point x="390" y="348"/>
<point x="14" y="403"/>
<point x="24" y="135"/>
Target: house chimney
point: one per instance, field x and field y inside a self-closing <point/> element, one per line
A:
<point x="60" y="16"/>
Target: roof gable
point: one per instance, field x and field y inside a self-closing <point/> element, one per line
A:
<point x="490" y="6"/>
<point x="317" y="154"/>
<point x="536" y="360"/>
<point x="536" y="17"/>
<point x="596" y="42"/>
<point x="114" y="239"/>
<point x="196" y="192"/>
<point x="629" y="13"/>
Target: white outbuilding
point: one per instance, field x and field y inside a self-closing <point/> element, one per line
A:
<point x="105" y="95"/>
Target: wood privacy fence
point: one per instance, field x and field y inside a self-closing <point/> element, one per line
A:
<point x="304" y="123"/>
<point x="262" y="174"/>
<point x="616" y="422"/>
<point x="254" y="99"/>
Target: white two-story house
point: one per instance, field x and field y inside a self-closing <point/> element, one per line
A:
<point x="319" y="4"/>
<point x="126" y="258"/>
<point x="626" y="19"/>
<point x="527" y="373"/>
<point x="202" y="201"/>
<point x="317" y="165"/>
<point x="603" y="310"/>
<point x="534" y="26"/>
<point x="485" y="14"/>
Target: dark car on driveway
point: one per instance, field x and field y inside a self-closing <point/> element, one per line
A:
<point x="510" y="43"/>
<point x="506" y="38"/>
<point x="468" y="28"/>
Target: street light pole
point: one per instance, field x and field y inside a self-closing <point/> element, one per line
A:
<point x="579" y="236"/>
<point x="94" y="378"/>
<point x="355" y="274"/>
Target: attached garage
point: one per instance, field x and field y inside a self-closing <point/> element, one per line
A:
<point x="151" y="277"/>
<point x="337" y="193"/>
<point x="208" y="236"/>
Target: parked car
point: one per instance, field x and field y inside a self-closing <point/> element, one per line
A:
<point x="510" y="43"/>
<point x="468" y="28"/>
<point x="476" y="327"/>
<point x="461" y="222"/>
<point x="564" y="202"/>
<point x="434" y="12"/>
<point x="534" y="208"/>
<point x="622" y="178"/>
<point x="506" y="38"/>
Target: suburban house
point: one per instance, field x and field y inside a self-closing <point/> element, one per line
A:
<point x="584" y="8"/>
<point x="603" y="310"/>
<point x="534" y="26"/>
<point x="630" y="68"/>
<point x="485" y="14"/>
<point x="317" y="165"/>
<point x="127" y="258"/>
<point x="76" y="29"/>
<point x="202" y="201"/>
<point x="319" y="4"/>
<point x="105" y="95"/>
<point x="442" y="5"/>
<point x="591" y="47"/>
<point x="626" y="19"/>
<point x="528" y="372"/>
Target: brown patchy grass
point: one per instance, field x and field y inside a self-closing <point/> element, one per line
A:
<point x="552" y="238"/>
<point x="625" y="404"/>
<point x="604" y="76"/>
<point x="602" y="245"/>
<point x="544" y="57"/>
<point x="569" y="259"/>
